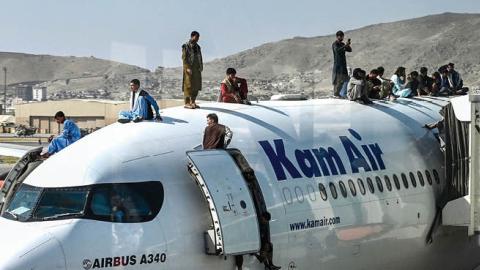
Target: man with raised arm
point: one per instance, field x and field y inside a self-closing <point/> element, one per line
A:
<point x="339" y="72"/>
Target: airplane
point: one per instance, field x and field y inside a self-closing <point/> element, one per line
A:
<point x="304" y="184"/>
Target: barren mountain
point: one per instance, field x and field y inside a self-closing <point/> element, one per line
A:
<point x="428" y="41"/>
<point x="28" y="67"/>
<point x="294" y="65"/>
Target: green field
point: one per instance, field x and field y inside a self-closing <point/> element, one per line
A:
<point x="8" y="160"/>
<point x="20" y="139"/>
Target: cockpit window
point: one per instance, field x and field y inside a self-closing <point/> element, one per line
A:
<point x="56" y="203"/>
<point x="23" y="203"/>
<point x="123" y="203"/>
<point x="126" y="202"/>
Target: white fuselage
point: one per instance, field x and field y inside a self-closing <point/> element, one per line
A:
<point x="310" y="229"/>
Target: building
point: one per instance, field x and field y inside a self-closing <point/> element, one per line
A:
<point x="88" y="114"/>
<point x="24" y="92"/>
<point x="39" y="93"/>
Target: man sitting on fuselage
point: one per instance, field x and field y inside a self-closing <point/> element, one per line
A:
<point x="233" y="89"/>
<point x="70" y="134"/>
<point x="455" y="80"/>
<point x="141" y="104"/>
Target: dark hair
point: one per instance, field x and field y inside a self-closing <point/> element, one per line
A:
<point x="442" y="69"/>
<point x="451" y="64"/>
<point x="213" y="116"/>
<point x="357" y="73"/>
<point x="400" y="71"/>
<point x="340" y="33"/>
<point x="135" y="81"/>
<point x="436" y="74"/>
<point x="59" y="114"/>
<point x="380" y="70"/>
<point x="414" y="73"/>
<point x="374" y="71"/>
<point x="194" y="34"/>
<point x="423" y="70"/>
<point x="231" y="71"/>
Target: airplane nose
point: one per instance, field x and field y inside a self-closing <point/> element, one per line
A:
<point x="24" y="247"/>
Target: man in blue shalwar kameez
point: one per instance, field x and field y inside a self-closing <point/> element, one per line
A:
<point x="141" y="104"/>
<point x="70" y="134"/>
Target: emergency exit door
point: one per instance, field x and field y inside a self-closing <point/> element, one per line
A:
<point x="236" y="228"/>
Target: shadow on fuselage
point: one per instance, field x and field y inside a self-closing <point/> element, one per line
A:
<point x="252" y="119"/>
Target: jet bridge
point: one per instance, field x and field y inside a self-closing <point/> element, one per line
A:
<point x="460" y="132"/>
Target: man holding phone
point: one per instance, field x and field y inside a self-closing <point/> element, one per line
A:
<point x="339" y="72"/>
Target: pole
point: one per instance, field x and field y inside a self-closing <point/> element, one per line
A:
<point x="5" y="91"/>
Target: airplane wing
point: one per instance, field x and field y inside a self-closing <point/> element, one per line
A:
<point x="14" y="150"/>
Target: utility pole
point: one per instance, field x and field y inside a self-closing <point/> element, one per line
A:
<point x="5" y="91"/>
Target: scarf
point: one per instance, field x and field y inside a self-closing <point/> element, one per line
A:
<point x="193" y="50"/>
<point x="232" y="88"/>
<point x="134" y="99"/>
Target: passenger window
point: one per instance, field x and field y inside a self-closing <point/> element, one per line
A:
<point x="420" y="178"/>
<point x="379" y="183"/>
<point x="388" y="183"/>
<point x="370" y="185"/>
<point x="436" y="176"/>
<point x="333" y="190"/>
<point x="299" y="194"/>
<point x="412" y="179"/>
<point x="429" y="177"/>
<point x="361" y="186"/>
<point x="353" y="189"/>
<point x="396" y="181"/>
<point x="323" y="191"/>
<point x="287" y="195"/>
<point x="343" y="189"/>
<point x="404" y="180"/>
<point x="311" y="193"/>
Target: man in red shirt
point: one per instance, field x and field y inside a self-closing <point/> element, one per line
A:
<point x="233" y="89"/>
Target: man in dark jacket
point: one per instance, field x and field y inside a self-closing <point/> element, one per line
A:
<point x="216" y="136"/>
<point x="339" y="72"/>
<point x="455" y="80"/>
<point x="425" y="83"/>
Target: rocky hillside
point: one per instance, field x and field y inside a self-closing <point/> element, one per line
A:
<point x="427" y="41"/>
<point x="289" y="66"/>
<point x="28" y="67"/>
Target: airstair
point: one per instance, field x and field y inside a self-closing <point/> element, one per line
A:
<point x="461" y="135"/>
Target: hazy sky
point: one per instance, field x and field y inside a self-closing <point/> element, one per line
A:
<point x="149" y="33"/>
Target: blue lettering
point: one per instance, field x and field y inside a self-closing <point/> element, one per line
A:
<point x="377" y="152"/>
<point x="311" y="169"/>
<point x="332" y="158"/>
<point x="279" y="160"/>
<point x="370" y="157"/>
<point x="356" y="158"/>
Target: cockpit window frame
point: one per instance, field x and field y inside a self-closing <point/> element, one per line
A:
<point x="154" y="190"/>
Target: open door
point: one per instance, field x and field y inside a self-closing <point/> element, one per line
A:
<point x="25" y="165"/>
<point x="236" y="228"/>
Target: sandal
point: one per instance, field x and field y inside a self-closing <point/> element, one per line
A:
<point x="188" y="106"/>
<point x="196" y="106"/>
